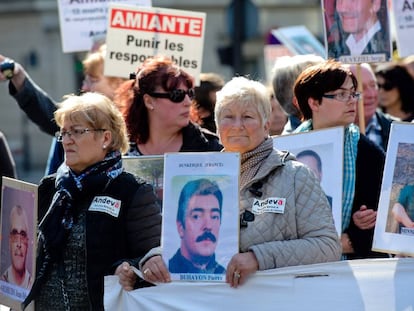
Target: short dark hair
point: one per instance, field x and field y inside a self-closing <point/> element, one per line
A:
<point x="201" y="186"/>
<point x="317" y="80"/>
<point x="313" y="154"/>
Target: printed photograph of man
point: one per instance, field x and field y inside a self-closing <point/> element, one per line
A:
<point x="198" y="224"/>
<point x="314" y="162"/>
<point x="17" y="272"/>
<point x="359" y="27"/>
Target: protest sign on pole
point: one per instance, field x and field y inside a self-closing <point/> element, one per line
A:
<point x="404" y="25"/>
<point x="137" y="33"/>
<point x="83" y="23"/>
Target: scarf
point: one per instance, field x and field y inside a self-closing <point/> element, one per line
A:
<point x="252" y="160"/>
<point x="351" y="138"/>
<point x="70" y="187"/>
<point x="56" y="225"/>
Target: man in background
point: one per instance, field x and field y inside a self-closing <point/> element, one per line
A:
<point x="377" y="124"/>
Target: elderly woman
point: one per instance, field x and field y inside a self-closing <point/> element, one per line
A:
<point x="97" y="219"/>
<point x="156" y="106"/>
<point x="302" y="231"/>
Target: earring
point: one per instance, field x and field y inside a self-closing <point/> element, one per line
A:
<point x="151" y="107"/>
<point x="104" y="147"/>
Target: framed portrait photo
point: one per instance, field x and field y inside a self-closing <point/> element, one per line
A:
<point x="150" y="168"/>
<point x="394" y="229"/>
<point x="18" y="225"/>
<point x="322" y="152"/>
<point x="200" y="226"/>
<point x="357" y="33"/>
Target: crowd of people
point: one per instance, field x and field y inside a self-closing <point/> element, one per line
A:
<point x="159" y="110"/>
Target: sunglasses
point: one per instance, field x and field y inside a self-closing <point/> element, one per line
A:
<point x="387" y="86"/>
<point x="176" y="96"/>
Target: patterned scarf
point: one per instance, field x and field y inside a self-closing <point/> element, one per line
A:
<point x="351" y="137"/>
<point x="56" y="224"/>
<point x="251" y="161"/>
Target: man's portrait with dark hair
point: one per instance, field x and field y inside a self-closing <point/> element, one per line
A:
<point x="198" y="224"/>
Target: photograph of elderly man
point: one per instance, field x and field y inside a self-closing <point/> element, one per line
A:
<point x="358" y="27"/>
<point x="198" y="225"/>
<point x="17" y="272"/>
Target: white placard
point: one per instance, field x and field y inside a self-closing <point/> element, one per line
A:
<point x="403" y="11"/>
<point x="83" y="23"/>
<point x="326" y="147"/>
<point x="299" y="40"/>
<point x="135" y="34"/>
<point x="392" y="234"/>
<point x="185" y="169"/>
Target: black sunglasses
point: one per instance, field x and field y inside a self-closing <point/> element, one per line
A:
<point x="176" y="96"/>
<point x="387" y="86"/>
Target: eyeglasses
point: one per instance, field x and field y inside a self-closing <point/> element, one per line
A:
<point x="343" y="96"/>
<point x="75" y="133"/>
<point x="176" y="96"/>
<point x="14" y="234"/>
<point x="387" y="86"/>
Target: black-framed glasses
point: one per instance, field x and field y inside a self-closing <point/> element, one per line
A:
<point x="387" y="86"/>
<point x="15" y="235"/>
<point x="75" y="133"/>
<point x="344" y="96"/>
<point x="176" y="96"/>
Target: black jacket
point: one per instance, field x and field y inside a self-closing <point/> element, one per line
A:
<point x="112" y="240"/>
<point x="369" y="169"/>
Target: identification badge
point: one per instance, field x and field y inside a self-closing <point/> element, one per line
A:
<point x="106" y="205"/>
<point x="269" y="205"/>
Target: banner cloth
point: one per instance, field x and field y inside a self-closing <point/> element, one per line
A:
<point x="369" y="285"/>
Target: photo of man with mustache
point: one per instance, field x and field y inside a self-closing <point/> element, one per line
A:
<point x="198" y="224"/>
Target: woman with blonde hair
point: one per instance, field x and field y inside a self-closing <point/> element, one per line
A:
<point x="96" y="219"/>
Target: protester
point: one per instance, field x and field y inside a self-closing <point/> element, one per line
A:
<point x="156" y="107"/>
<point x="377" y="123"/>
<point x="202" y="108"/>
<point x="278" y="117"/>
<point x="326" y="94"/>
<point x="396" y="95"/>
<point x="303" y="229"/>
<point x="100" y="220"/>
<point x="17" y="273"/>
<point x="7" y="164"/>
<point x="39" y="106"/>
<point x="285" y="72"/>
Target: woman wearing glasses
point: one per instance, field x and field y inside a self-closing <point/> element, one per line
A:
<point x="156" y="107"/>
<point x="395" y="91"/>
<point x="96" y="219"/>
<point x="326" y="95"/>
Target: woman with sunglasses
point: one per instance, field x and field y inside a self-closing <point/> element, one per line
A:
<point x="327" y="97"/>
<point x="395" y="91"/>
<point x="156" y="108"/>
<point x="96" y="219"/>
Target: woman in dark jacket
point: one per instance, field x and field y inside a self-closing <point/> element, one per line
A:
<point x="96" y="219"/>
<point x="156" y="106"/>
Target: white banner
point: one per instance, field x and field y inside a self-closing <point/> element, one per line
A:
<point x="369" y="285"/>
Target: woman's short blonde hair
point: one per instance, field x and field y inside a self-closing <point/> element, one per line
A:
<point x="98" y="112"/>
<point x="243" y="91"/>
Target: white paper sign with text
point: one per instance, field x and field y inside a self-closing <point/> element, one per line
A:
<point x="135" y="34"/>
<point x="83" y="23"/>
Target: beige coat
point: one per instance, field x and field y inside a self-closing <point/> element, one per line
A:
<point x="304" y="233"/>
